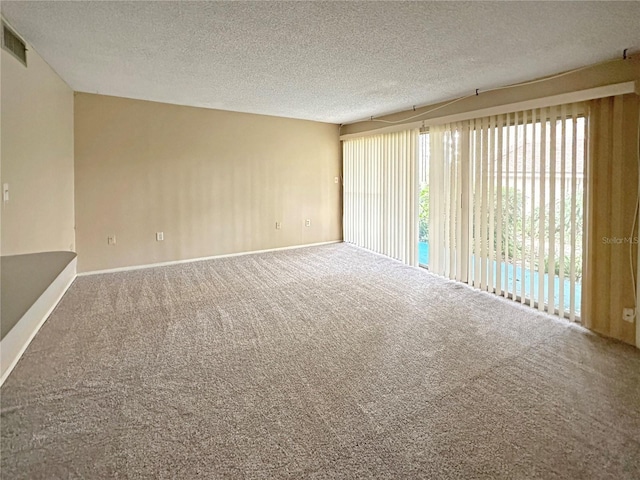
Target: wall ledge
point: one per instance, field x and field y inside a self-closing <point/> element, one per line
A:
<point x="16" y="341"/>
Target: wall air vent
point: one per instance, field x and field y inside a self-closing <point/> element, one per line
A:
<point x="13" y="44"/>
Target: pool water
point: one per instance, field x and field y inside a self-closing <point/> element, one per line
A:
<point x="509" y="271"/>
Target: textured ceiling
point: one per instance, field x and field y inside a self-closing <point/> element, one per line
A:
<point x="332" y="62"/>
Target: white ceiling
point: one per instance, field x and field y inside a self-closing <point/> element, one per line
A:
<point x="332" y="62"/>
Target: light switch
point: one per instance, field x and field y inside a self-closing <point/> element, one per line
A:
<point x="5" y="192"/>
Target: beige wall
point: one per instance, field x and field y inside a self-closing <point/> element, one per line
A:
<point x="37" y="157"/>
<point x="214" y="182"/>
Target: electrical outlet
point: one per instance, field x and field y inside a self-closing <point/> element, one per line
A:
<point x="307" y="223"/>
<point x="278" y="225"/>
<point x="159" y="236"/>
<point x="111" y="240"/>
<point x="628" y="314"/>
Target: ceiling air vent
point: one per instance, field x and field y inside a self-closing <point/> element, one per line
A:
<point x="12" y="43"/>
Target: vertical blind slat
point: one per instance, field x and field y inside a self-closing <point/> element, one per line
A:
<point x="457" y="208"/>
<point x="466" y="198"/>
<point x="535" y="159"/>
<point x="508" y="218"/>
<point x="563" y="179"/>
<point x="516" y="129"/>
<point x="574" y="162"/>
<point x="541" y="217"/>
<point x="484" y="248"/>
<point x="491" y="197"/>
<point x="477" y="192"/>
<point x="553" y="151"/>
<point x="498" y="139"/>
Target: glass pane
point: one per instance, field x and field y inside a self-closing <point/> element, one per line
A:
<point x="423" y="230"/>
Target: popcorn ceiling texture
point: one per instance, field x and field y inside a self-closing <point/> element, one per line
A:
<point x="331" y="62"/>
<point x="321" y="362"/>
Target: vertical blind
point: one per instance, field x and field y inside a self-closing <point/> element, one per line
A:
<point x="506" y="201"/>
<point x="380" y="188"/>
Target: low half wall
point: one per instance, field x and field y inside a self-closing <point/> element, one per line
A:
<point x="31" y="286"/>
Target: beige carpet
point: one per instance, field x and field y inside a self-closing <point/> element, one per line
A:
<point x="323" y="362"/>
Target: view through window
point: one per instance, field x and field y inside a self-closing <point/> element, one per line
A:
<point x="524" y="209"/>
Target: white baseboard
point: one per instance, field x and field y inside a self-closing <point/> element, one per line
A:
<point x="200" y="259"/>
<point x="16" y="341"/>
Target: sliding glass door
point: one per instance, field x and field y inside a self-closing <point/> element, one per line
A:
<point x="501" y="202"/>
